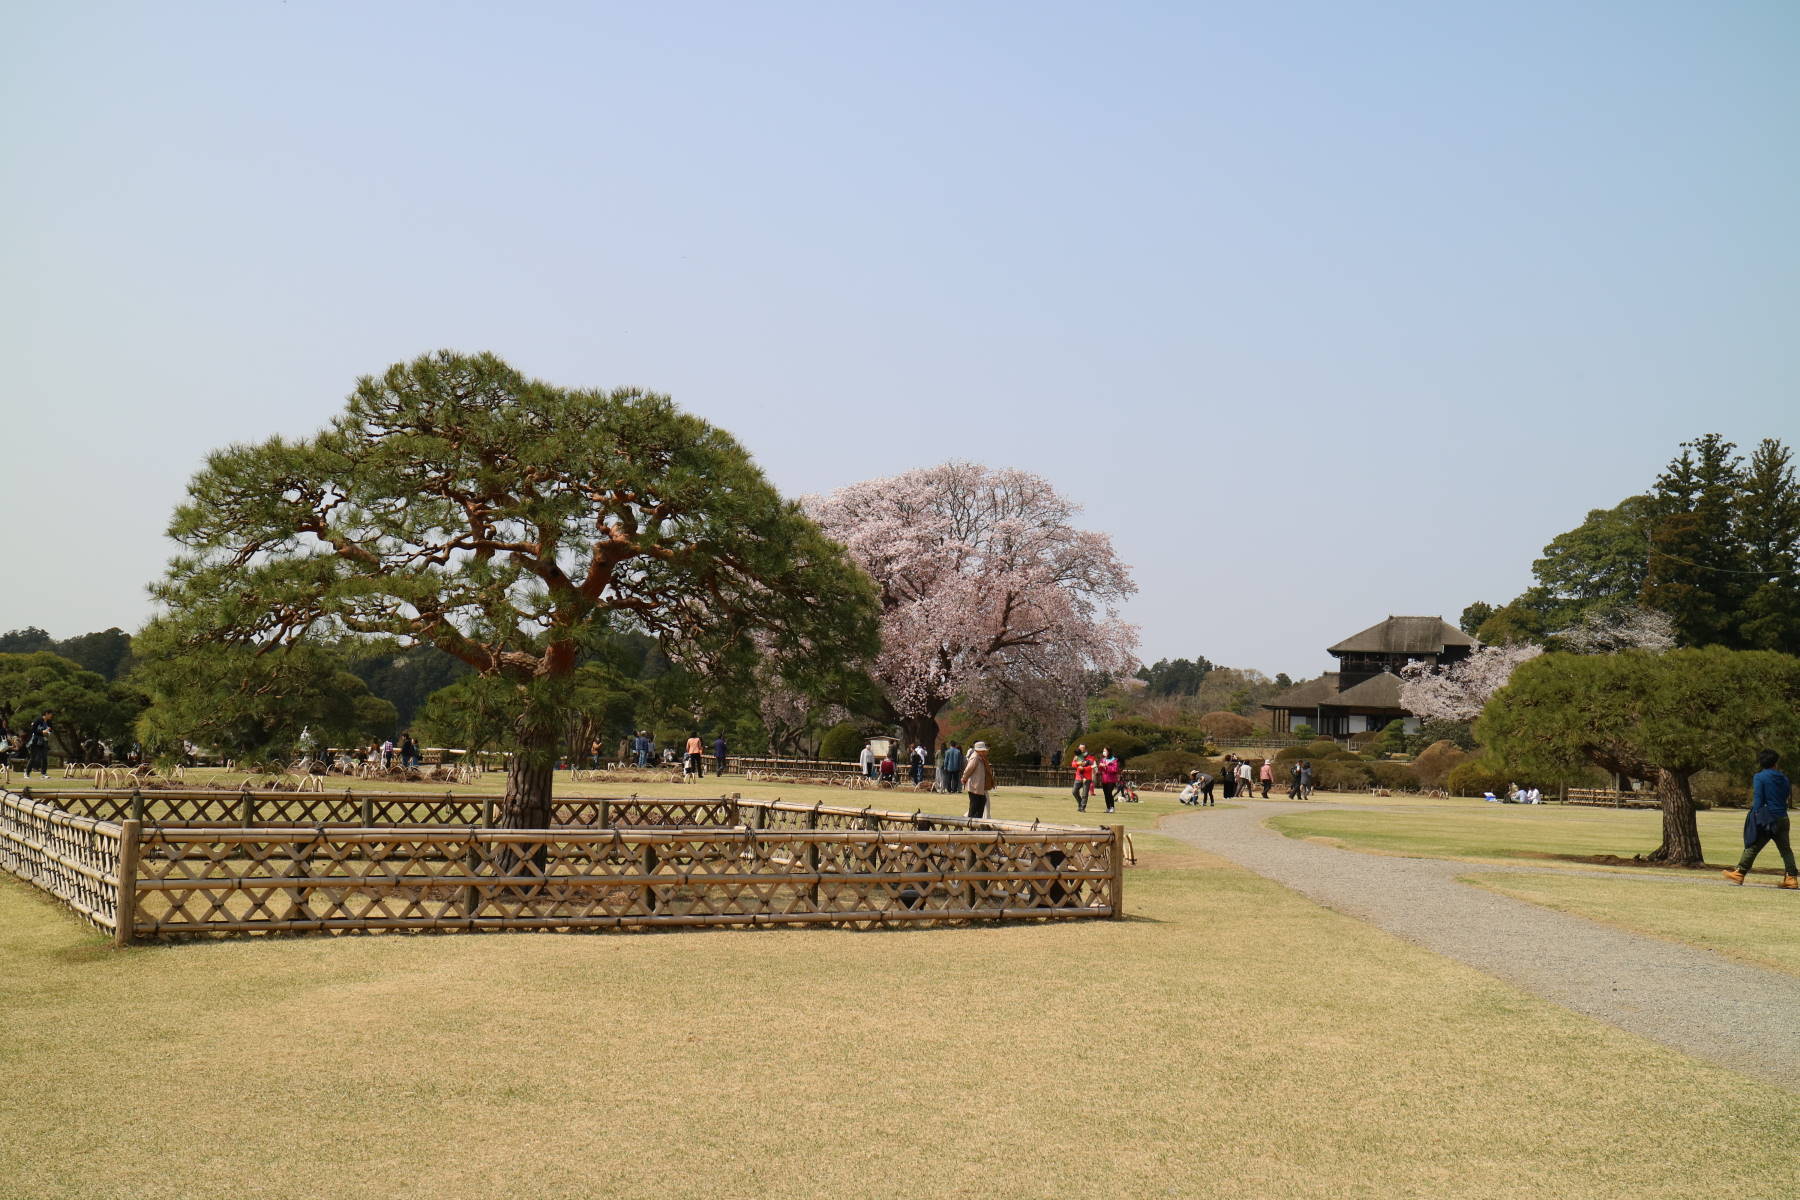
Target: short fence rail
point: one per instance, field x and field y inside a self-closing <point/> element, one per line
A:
<point x="183" y="863"/>
<point x="1611" y="798"/>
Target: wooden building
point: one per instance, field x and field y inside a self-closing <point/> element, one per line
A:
<point x="1364" y="692"/>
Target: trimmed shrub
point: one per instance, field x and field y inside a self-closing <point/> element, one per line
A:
<point x="1436" y="761"/>
<point x="842" y="742"/>
<point x="1342" y="775"/>
<point x="1168" y="764"/>
<point x="1395" y="776"/>
<point x="1123" y="743"/>
<point x="1475" y="776"/>
<point x="1222" y="726"/>
<point x="1003" y="751"/>
<point x="1303" y="730"/>
<point x="1715" y="790"/>
<point x="1324" y="748"/>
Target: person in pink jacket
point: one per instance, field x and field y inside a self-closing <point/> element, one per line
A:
<point x="1108" y="771"/>
<point x="1268" y="776"/>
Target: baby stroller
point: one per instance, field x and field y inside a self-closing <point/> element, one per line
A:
<point x="1128" y="791"/>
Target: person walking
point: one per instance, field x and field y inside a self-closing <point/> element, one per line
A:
<point x="1306" y="779"/>
<point x="950" y="768"/>
<point x="1246" y="778"/>
<point x="1268" y="776"/>
<point x="1083" y="766"/>
<point x="1228" y="776"/>
<point x="867" y="759"/>
<point x="919" y="758"/>
<point x="640" y="746"/>
<point x="1109" y="776"/>
<point x="37" y="744"/>
<point x="978" y="780"/>
<point x="719" y="755"/>
<point x="1294" y="780"/>
<point x="696" y="756"/>
<point x="1767" y="821"/>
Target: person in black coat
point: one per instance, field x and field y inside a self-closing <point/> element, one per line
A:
<point x="37" y="745"/>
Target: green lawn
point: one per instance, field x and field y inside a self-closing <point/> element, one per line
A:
<point x="1474" y="829"/>
<point x="1755" y="923"/>
<point x="1230" y="1039"/>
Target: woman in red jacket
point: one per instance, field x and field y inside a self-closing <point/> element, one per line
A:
<point x="1109" y="776"/>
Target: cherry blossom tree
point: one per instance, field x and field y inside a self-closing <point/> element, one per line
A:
<point x="1606" y="630"/>
<point x="1460" y="690"/>
<point x="988" y="593"/>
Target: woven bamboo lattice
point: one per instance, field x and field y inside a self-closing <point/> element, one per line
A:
<point x="310" y="863"/>
<point x="74" y="858"/>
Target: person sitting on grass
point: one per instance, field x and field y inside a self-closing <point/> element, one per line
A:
<point x="1767" y="821"/>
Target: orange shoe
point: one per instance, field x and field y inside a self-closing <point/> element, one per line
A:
<point x="1736" y="876"/>
<point x="1790" y="882"/>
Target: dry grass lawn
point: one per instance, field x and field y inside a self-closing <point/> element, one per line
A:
<point x="1231" y="1039"/>
<point x="1473" y="829"/>
<point x="1755" y="923"/>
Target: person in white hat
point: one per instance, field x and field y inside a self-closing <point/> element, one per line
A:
<point x="978" y="779"/>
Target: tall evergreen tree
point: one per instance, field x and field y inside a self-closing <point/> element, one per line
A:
<point x="1768" y="528"/>
<point x="1697" y="570"/>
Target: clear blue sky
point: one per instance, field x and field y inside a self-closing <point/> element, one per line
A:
<point x="1323" y="311"/>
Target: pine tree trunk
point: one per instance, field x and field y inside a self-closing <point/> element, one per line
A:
<point x="1680" y="826"/>
<point x="529" y="776"/>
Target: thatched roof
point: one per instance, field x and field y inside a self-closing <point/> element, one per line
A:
<point x="1309" y="694"/>
<point x="1379" y="692"/>
<point x="1405" y="635"/>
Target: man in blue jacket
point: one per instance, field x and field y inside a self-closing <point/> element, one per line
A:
<point x="1767" y="821"/>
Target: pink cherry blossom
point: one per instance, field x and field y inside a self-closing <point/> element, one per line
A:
<point x="988" y="593"/>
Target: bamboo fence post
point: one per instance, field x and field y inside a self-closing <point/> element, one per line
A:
<point x="137" y="805"/>
<point x="125" y="911"/>
<point x="487" y="812"/>
<point x="367" y="817"/>
<point x="649" y="870"/>
<point x="606" y="814"/>
<point x="1118" y="871"/>
<point x="246" y="807"/>
<point x="297" y="868"/>
<point x="812" y="856"/>
<point x="472" y="864"/>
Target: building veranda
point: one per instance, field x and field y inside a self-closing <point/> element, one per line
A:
<point x="1363" y="694"/>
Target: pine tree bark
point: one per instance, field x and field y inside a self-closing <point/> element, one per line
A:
<point x="530" y="773"/>
<point x="1680" y="826"/>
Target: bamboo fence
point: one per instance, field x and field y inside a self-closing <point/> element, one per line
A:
<point x="1611" y="798"/>
<point x="187" y="863"/>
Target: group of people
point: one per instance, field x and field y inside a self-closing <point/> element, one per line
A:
<point x="1102" y="772"/>
<point x="34" y="741"/>
<point x="1240" y="777"/>
<point x="640" y="749"/>
<point x="884" y="769"/>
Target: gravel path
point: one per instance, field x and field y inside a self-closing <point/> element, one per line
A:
<point x="1740" y="1016"/>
